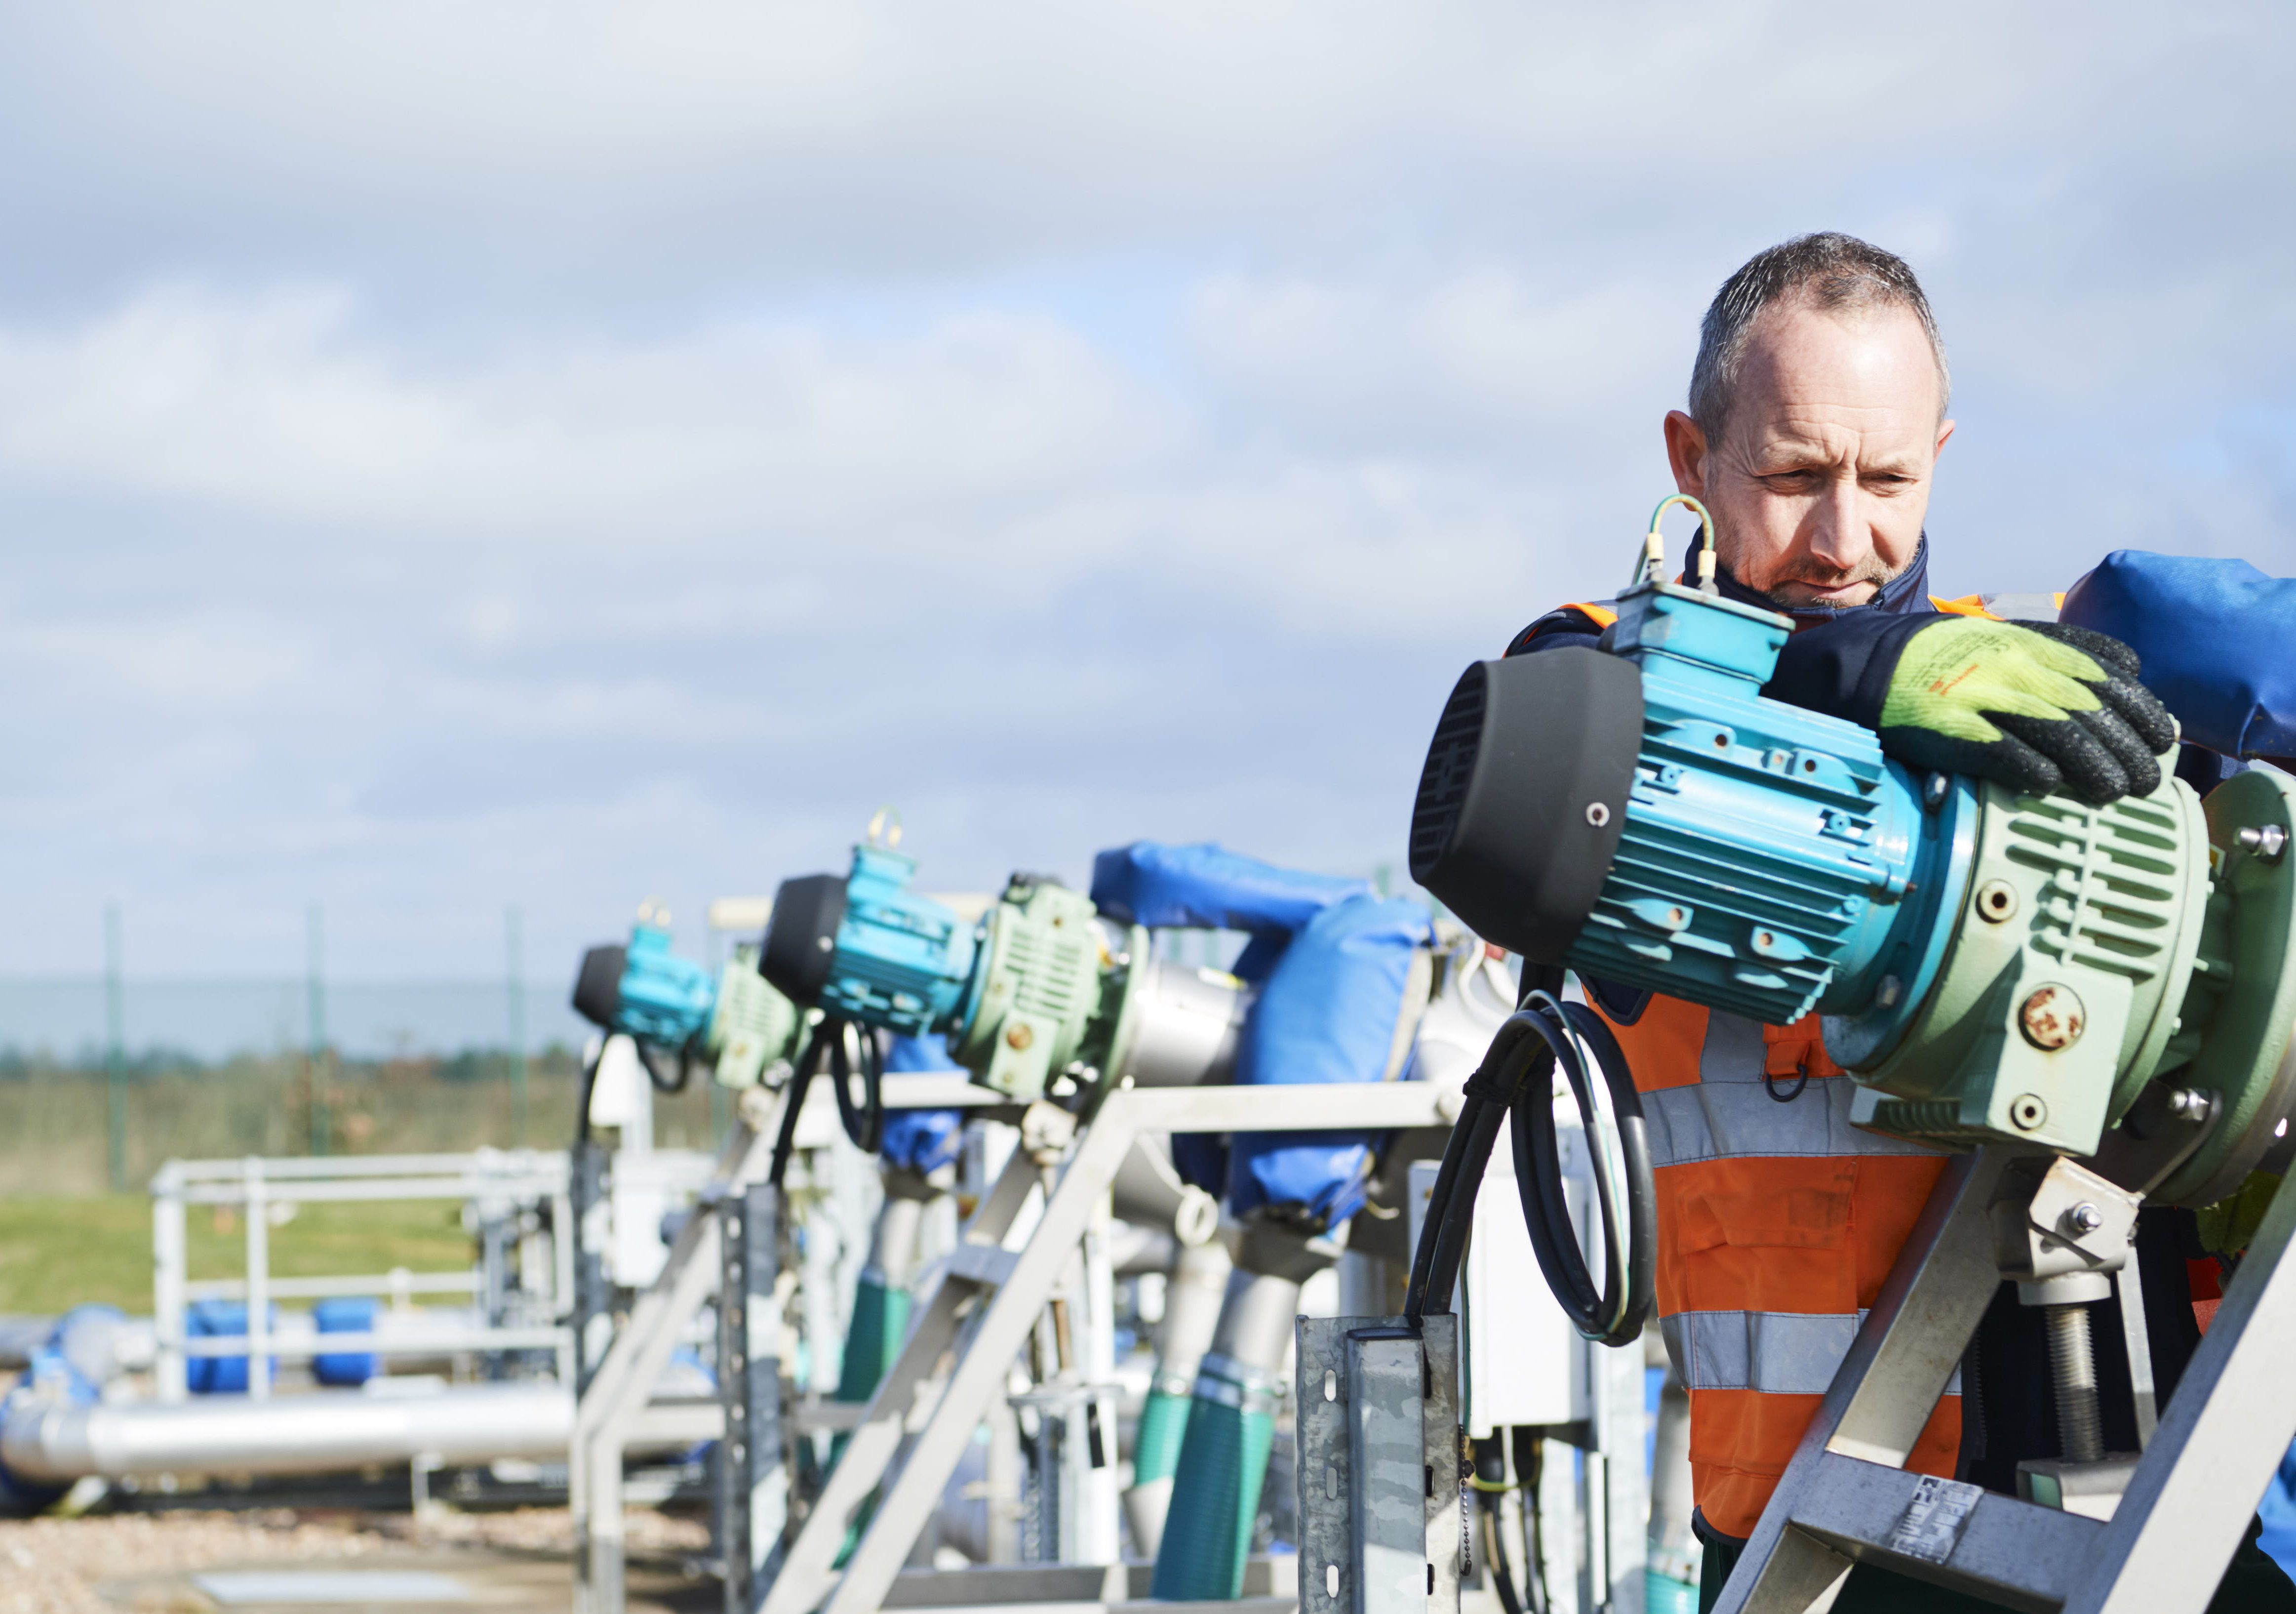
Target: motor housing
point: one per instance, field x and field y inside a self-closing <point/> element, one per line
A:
<point x="1990" y="965"/>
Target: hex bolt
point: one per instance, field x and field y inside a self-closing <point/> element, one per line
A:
<point x="2084" y="1218"/>
<point x="2191" y="1104"/>
<point x="2267" y="841"/>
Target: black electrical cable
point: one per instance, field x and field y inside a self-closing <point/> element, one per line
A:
<point x="864" y="1117"/>
<point x="1516" y="1079"/>
<point x="1530" y="1468"/>
<point x="1494" y="1555"/>
<point x="1615" y="1312"/>
<point x="1489" y="1482"/>
<point x="582" y="1101"/>
<point x="650" y="1056"/>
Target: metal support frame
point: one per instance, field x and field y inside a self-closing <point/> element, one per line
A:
<point x="613" y="1413"/>
<point x="753" y="1485"/>
<point x="506" y="1179"/>
<point x="1846" y="1499"/>
<point x="989" y="1299"/>
<point x="615" y="1398"/>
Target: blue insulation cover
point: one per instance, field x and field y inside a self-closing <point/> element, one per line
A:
<point x="57" y="1372"/>
<point x="922" y="1141"/>
<point x="1209" y="888"/>
<point x="2213" y="635"/>
<point x="1326" y="1014"/>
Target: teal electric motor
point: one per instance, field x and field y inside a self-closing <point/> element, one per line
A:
<point x="1030" y="997"/>
<point x="1990" y="966"/>
<point x="668" y="1005"/>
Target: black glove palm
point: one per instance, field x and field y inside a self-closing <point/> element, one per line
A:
<point x="2040" y="707"/>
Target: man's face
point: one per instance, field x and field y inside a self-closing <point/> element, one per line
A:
<point x="1821" y="482"/>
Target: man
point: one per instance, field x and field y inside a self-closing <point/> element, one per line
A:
<point x="1818" y="413"/>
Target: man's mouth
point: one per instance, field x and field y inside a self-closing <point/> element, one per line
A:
<point x="1852" y="591"/>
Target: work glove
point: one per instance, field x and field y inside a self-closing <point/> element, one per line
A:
<point x="2040" y="707"/>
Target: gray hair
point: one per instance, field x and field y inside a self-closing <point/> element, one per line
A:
<point x="1837" y="273"/>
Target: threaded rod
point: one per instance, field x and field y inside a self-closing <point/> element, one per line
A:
<point x="2073" y="1371"/>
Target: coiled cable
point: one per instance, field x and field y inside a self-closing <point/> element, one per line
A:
<point x="1515" y="1080"/>
<point x="834" y="1039"/>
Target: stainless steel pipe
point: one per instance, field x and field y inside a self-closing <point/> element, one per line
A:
<point x="286" y="1435"/>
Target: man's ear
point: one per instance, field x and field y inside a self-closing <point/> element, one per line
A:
<point x="1685" y="452"/>
<point x="1945" y="432"/>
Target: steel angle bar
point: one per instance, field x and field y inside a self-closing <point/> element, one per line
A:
<point x="2224" y="1431"/>
<point x="809" y="1570"/>
<point x="996" y="1330"/>
<point x="995" y="1334"/>
<point x="753" y="1487"/>
<point x="1380" y="1524"/>
<point x="1947" y="1533"/>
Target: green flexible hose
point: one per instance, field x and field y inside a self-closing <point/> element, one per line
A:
<point x="1216" y="1485"/>
<point x="1163" y="1427"/>
<point x="880" y="1321"/>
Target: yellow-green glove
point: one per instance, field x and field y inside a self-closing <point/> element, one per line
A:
<point x="2040" y="707"/>
<point x="2227" y="1226"/>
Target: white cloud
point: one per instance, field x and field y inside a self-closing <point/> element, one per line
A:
<point x="566" y="454"/>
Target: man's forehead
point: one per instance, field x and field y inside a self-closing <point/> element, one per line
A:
<point x="1804" y="365"/>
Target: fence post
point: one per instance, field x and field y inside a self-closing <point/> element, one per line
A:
<point x="115" y="1052"/>
<point x="318" y="1029"/>
<point x="515" y="944"/>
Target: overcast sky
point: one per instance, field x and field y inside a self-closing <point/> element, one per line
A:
<point x="453" y="455"/>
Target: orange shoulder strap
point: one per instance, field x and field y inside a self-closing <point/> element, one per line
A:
<point x="1968" y="604"/>
<point x="1983" y="605"/>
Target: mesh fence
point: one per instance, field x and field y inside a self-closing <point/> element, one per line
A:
<point x="226" y="1068"/>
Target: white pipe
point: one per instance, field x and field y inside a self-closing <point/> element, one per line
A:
<point x="292" y="1435"/>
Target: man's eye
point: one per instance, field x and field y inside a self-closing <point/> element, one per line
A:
<point x="1788" y="481"/>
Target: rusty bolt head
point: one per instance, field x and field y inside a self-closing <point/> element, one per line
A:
<point x="2052" y="1017"/>
<point x="1018" y="1037"/>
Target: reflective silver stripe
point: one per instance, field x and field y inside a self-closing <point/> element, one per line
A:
<point x="1775" y="1353"/>
<point x="1737" y="1121"/>
<point x="1728" y="1114"/>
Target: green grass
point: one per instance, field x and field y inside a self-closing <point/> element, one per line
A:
<point x="61" y="1251"/>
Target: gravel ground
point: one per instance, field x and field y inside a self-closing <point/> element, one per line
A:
<point x="53" y="1565"/>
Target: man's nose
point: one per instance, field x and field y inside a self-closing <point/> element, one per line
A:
<point x="1838" y="534"/>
